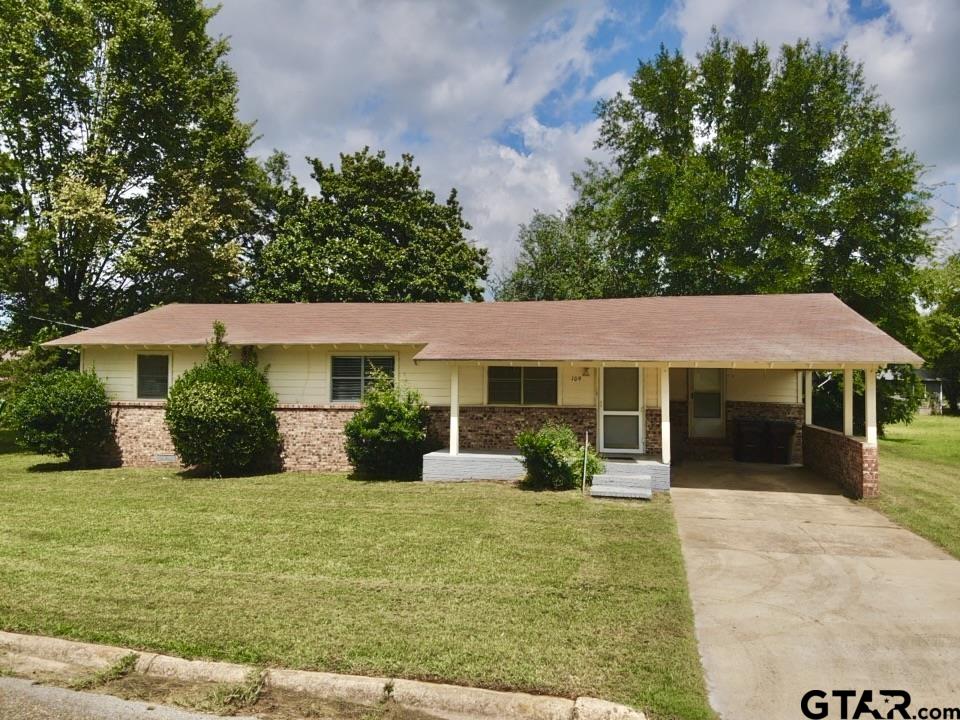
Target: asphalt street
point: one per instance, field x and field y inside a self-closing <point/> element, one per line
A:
<point x="22" y="700"/>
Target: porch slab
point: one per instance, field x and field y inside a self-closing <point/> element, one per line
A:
<point x="505" y="465"/>
<point x="441" y="466"/>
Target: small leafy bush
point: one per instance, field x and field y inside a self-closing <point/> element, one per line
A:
<point x="65" y="413"/>
<point x="554" y="459"/>
<point x="220" y="413"/>
<point x="387" y="437"/>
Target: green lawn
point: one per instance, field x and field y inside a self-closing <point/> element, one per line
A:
<point x="920" y="478"/>
<point x="481" y="584"/>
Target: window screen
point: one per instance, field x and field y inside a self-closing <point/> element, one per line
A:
<point x="351" y="374"/>
<point x="522" y="386"/>
<point x="153" y="376"/>
<point x="539" y="386"/>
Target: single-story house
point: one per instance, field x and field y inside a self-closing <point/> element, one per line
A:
<point x="648" y="380"/>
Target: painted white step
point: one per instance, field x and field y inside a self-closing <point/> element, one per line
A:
<point x="616" y="491"/>
<point x="644" y="481"/>
<point x="629" y="467"/>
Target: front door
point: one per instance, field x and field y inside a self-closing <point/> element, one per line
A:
<point x="706" y="403"/>
<point x="621" y="410"/>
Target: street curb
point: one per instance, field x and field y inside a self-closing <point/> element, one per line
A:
<point x="451" y="702"/>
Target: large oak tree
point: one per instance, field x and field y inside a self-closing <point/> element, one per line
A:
<point x="122" y="163"/>
<point x="371" y="234"/>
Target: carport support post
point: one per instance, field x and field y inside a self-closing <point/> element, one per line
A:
<point x="870" y="402"/>
<point x="665" y="415"/>
<point x="454" y="410"/>
<point x="848" y="401"/>
<point x="808" y="397"/>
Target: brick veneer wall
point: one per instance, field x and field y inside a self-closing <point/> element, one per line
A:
<point x="684" y="446"/>
<point x="849" y="462"/>
<point x="494" y="427"/>
<point x="652" y="445"/>
<point x="140" y="434"/>
<point x="312" y="436"/>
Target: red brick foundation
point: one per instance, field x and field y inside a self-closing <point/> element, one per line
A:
<point x="485" y="427"/>
<point x="652" y="444"/>
<point x="311" y="436"/>
<point x="140" y="435"/>
<point x="849" y="462"/>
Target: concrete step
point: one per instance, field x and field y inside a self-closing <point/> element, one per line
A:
<point x="618" y="491"/>
<point x="637" y="466"/>
<point x="641" y="481"/>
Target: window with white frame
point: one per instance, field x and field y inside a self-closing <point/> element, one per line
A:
<point x="351" y="374"/>
<point x="521" y="385"/>
<point x="153" y="376"/>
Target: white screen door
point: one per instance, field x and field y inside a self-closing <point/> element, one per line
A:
<point x="621" y="411"/>
<point x="706" y="402"/>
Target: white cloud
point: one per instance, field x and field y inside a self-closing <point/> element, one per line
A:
<point x="436" y="79"/>
<point x="610" y="85"/>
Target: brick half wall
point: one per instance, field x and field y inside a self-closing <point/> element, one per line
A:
<point x="311" y="436"/>
<point x="487" y="427"/>
<point x="721" y="448"/>
<point x="847" y="461"/>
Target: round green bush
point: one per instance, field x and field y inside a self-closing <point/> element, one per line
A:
<point x="65" y="413"/>
<point x="387" y="437"/>
<point x="220" y="417"/>
<point x="554" y="459"/>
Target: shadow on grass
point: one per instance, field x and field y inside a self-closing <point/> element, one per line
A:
<point x="49" y="467"/>
<point x="364" y="477"/>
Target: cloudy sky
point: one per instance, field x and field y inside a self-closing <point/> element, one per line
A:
<point x="496" y="97"/>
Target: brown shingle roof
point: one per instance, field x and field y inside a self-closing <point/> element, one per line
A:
<point x="815" y="328"/>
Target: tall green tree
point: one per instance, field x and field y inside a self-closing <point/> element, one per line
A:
<point x="559" y="260"/>
<point x="370" y="234"/>
<point x="123" y="167"/>
<point x="742" y="174"/>
<point x="940" y="344"/>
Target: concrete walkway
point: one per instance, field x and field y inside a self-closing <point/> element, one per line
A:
<point x="797" y="588"/>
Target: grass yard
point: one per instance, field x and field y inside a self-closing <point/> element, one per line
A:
<point x="481" y="584"/>
<point x="920" y="478"/>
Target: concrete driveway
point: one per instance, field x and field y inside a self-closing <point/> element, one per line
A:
<point x="797" y="588"/>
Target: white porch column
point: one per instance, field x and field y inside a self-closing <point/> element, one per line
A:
<point x="848" y="401"/>
<point x="454" y="410"/>
<point x="870" y="401"/>
<point x="665" y="415"/>
<point x="808" y="397"/>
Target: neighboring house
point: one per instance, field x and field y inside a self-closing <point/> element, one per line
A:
<point x="652" y="378"/>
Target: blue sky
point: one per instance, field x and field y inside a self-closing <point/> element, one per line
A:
<point x="496" y="97"/>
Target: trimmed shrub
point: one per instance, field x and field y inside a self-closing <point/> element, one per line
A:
<point x="65" y="413"/>
<point x="554" y="459"/>
<point x="387" y="437"/>
<point x="220" y="414"/>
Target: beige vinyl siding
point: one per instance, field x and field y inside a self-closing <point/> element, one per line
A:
<point x="471" y="385"/>
<point x="651" y="387"/>
<point x="776" y="386"/>
<point x="300" y="375"/>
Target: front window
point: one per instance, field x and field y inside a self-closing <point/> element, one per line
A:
<point x="351" y="374"/>
<point x="153" y="376"/>
<point x="521" y="385"/>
